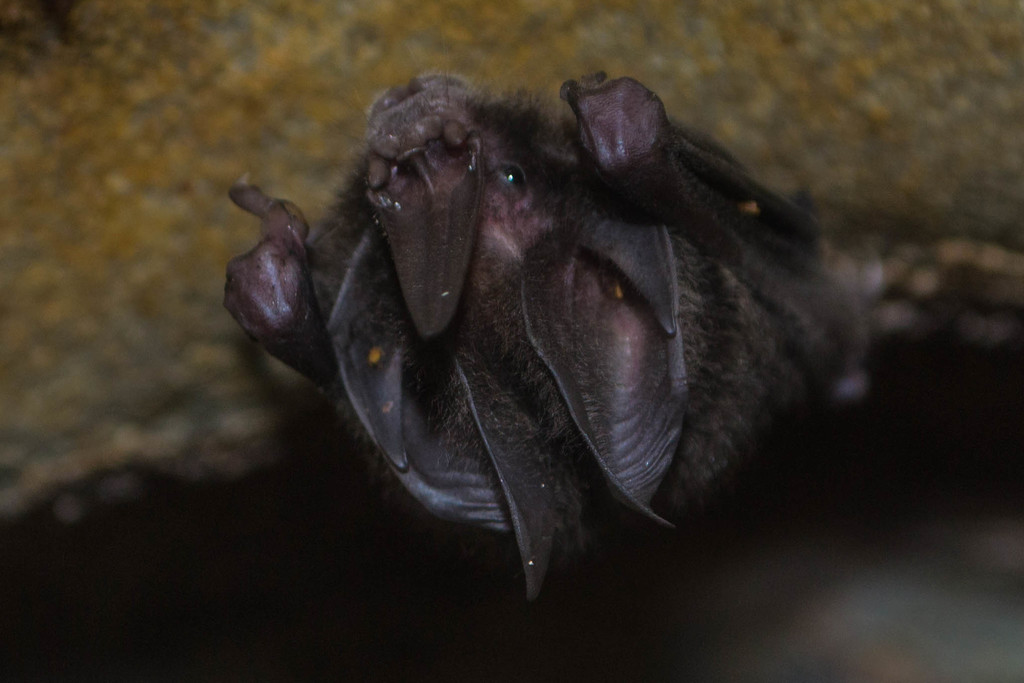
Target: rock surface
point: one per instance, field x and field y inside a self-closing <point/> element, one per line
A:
<point x="123" y="125"/>
<point x="897" y="556"/>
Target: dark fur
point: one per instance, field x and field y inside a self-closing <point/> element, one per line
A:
<point x="763" y="326"/>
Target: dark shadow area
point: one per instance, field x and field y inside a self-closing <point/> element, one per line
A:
<point x="300" y="572"/>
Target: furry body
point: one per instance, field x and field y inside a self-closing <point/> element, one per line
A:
<point x="533" y="317"/>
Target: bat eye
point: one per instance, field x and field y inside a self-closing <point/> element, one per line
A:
<point x="513" y="176"/>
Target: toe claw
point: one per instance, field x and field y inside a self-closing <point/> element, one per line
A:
<point x="427" y="128"/>
<point x="377" y="173"/>
<point x="454" y="133"/>
<point x="387" y="145"/>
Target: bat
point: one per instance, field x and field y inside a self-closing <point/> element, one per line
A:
<point x="534" y="316"/>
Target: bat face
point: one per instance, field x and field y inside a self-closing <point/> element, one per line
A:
<point x="519" y="300"/>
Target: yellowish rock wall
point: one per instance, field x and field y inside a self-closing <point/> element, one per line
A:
<point x="123" y="124"/>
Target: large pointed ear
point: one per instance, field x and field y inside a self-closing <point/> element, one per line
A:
<point x="672" y="172"/>
<point x="517" y="455"/>
<point x="366" y="327"/>
<point x="619" y="369"/>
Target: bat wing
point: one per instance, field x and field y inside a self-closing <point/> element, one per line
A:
<point x="611" y="342"/>
<point x="370" y="354"/>
<point x="711" y="165"/>
<point x="675" y="174"/>
<point x="517" y="454"/>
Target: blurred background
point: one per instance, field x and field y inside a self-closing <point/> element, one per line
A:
<point x="175" y="504"/>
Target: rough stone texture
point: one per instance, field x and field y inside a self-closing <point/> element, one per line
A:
<point x="123" y="125"/>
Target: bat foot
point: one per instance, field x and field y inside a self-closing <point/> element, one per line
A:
<point x="269" y="289"/>
<point x="408" y="117"/>
<point x="264" y="289"/>
<point x="426" y="82"/>
<point x="620" y="121"/>
<point x="416" y="145"/>
<point x="424" y="181"/>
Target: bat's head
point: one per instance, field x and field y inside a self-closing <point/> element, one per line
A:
<point x="450" y="173"/>
<point x="511" y="329"/>
<point x="533" y="326"/>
